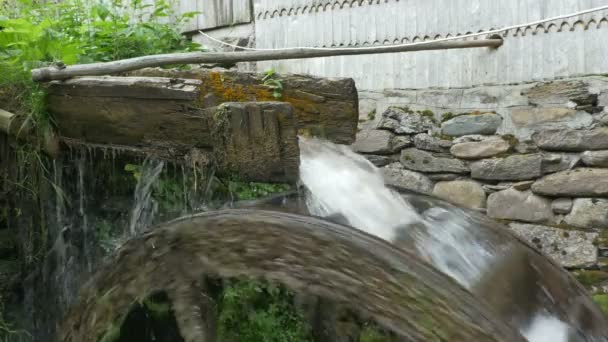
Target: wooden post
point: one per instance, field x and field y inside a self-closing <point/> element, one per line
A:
<point x="6" y="118"/>
<point x="97" y="69"/>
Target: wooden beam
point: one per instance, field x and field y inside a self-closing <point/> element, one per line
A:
<point x="6" y="118"/>
<point x="107" y="68"/>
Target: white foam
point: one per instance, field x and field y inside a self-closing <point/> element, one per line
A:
<point x="545" y="328"/>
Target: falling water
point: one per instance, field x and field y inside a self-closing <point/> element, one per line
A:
<point x="340" y="181"/>
<point x="89" y="240"/>
<point x="144" y="207"/>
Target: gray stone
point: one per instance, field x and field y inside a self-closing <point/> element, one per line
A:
<point x="379" y="161"/>
<point x="572" y="140"/>
<point x="561" y="205"/>
<point x="570" y="248"/>
<point x="482" y="149"/>
<point x="472" y="124"/>
<point x="400" y="142"/>
<point x="595" y="158"/>
<point x="468" y="194"/>
<point x="581" y="182"/>
<point x="471" y="138"/>
<point x="427" y="142"/>
<point x="560" y="93"/>
<point x="404" y="121"/>
<point x="395" y="174"/>
<point x="523" y="117"/>
<point x="588" y="213"/>
<point x="517" y="205"/>
<point x="522" y="186"/>
<point x="377" y="141"/>
<point x="525" y="147"/>
<point x="443" y="177"/>
<point x="601" y="119"/>
<point x="424" y="161"/>
<point x="490" y="189"/>
<point x="556" y="162"/>
<point x="516" y="167"/>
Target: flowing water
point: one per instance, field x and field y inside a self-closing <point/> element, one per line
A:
<point x="341" y="182"/>
<point x="145" y="208"/>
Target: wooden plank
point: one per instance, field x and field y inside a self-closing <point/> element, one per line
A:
<point x="157" y="88"/>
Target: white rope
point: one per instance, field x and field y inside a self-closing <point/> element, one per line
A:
<point x="485" y="33"/>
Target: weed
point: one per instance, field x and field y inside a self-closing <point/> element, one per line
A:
<point x="371" y="115"/>
<point x="258" y="311"/>
<point x="271" y="82"/>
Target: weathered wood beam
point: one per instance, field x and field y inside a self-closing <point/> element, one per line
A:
<point x="6" y="119"/>
<point x="107" y="68"/>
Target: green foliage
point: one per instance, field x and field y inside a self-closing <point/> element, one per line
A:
<point x="271" y="82"/>
<point x="602" y="300"/>
<point x="590" y="278"/>
<point x="252" y="190"/>
<point x="36" y="34"/>
<point x="256" y="311"/>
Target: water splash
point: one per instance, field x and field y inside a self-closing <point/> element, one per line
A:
<point x="339" y="181"/>
<point x="545" y="328"/>
<point x="342" y="182"/>
<point x="144" y="207"/>
<point x="451" y="247"/>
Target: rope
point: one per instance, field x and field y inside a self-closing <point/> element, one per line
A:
<point x="472" y="35"/>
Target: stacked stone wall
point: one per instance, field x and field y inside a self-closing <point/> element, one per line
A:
<point x="533" y="156"/>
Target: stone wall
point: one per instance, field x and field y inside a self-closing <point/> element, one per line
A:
<point x="533" y="156"/>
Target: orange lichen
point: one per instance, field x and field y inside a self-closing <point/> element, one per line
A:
<point x="228" y="91"/>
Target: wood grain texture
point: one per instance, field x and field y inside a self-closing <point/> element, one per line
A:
<point x="306" y="254"/>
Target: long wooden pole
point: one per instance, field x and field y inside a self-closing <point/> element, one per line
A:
<point x="98" y="69"/>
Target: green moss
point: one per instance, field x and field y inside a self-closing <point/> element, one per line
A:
<point x="429" y="114"/>
<point x="443" y="136"/>
<point x="602" y="239"/>
<point x="602" y="301"/>
<point x="371" y="115"/>
<point x="446" y="116"/>
<point x="591" y="278"/>
<point x="511" y="139"/>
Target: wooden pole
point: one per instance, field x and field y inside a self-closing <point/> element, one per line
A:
<point x="98" y="69"/>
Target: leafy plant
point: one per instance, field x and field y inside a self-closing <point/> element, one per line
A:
<point x="252" y="190"/>
<point x="271" y="82"/>
<point x="258" y="311"/>
<point x="35" y="34"/>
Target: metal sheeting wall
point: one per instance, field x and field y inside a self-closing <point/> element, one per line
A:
<point x="564" y="48"/>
